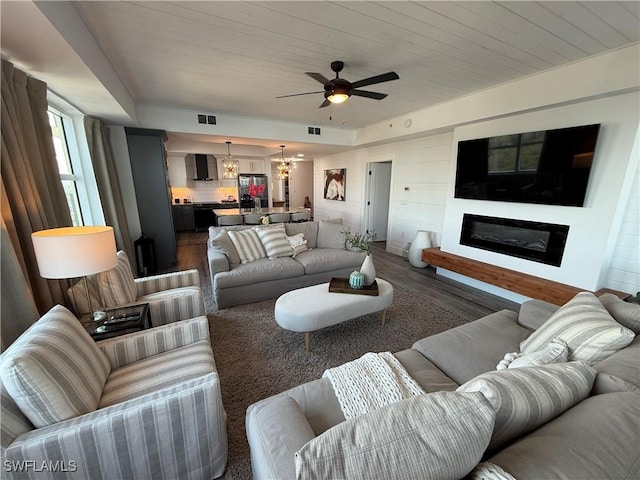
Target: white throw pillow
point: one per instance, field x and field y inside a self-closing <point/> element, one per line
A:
<point x="296" y="240"/>
<point x="55" y="371"/>
<point x="248" y="245"/>
<point x="489" y="471"/>
<point x="525" y="398"/>
<point x="556" y="352"/>
<point x="298" y="243"/>
<point x="117" y="286"/>
<point x="438" y="435"/>
<point x="589" y="330"/>
<point x="275" y="242"/>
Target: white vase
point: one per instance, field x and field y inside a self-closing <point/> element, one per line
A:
<point x="368" y="270"/>
<point x="257" y="204"/>
<point x="419" y="242"/>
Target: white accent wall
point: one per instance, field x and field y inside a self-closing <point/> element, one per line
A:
<point x="593" y="228"/>
<point x="624" y="270"/>
<point x="420" y="171"/>
<point x="604" y="237"/>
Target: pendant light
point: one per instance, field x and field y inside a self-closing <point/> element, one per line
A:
<point x="230" y="166"/>
<point x="285" y="165"/>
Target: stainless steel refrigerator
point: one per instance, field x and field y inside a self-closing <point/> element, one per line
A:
<point x="244" y="180"/>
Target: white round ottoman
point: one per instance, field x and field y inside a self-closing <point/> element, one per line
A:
<point x="312" y="308"/>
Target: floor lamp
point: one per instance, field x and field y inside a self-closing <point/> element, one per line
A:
<point x="71" y="252"/>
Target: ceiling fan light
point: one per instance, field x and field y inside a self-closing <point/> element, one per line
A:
<point x="337" y="97"/>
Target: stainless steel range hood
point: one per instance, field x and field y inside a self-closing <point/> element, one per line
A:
<point x="201" y="167"/>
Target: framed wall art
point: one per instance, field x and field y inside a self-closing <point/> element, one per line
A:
<point x="334" y="184"/>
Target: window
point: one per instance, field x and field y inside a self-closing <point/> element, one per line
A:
<point x="69" y="180"/>
<point x="74" y="162"/>
<point x="515" y="153"/>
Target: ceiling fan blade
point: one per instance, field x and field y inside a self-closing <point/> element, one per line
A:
<point x="365" y="93"/>
<point x="318" y="76"/>
<point x="298" y="94"/>
<point x="385" y="77"/>
<point x="326" y="103"/>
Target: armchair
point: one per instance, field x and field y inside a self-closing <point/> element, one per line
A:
<point x="171" y="296"/>
<point x="143" y="405"/>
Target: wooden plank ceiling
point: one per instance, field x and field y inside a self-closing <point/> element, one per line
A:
<point x="236" y="57"/>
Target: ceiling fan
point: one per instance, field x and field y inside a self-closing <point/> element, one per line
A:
<point x="339" y="90"/>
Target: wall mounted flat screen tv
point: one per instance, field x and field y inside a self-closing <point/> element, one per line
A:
<point x="546" y="167"/>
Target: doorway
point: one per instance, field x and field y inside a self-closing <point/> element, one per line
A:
<point x="378" y="190"/>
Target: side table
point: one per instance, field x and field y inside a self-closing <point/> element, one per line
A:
<point x="107" y="328"/>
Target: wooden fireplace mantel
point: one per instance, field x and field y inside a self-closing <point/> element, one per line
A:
<point x="522" y="283"/>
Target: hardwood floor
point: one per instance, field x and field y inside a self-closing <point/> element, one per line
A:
<point x="468" y="302"/>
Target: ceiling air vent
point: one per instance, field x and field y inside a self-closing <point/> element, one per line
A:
<point x="206" y="119"/>
<point x="313" y="130"/>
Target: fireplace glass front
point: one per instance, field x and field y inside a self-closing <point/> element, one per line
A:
<point x="536" y="241"/>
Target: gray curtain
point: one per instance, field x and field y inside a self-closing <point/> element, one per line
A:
<point x="18" y="306"/>
<point x="32" y="194"/>
<point x="108" y="186"/>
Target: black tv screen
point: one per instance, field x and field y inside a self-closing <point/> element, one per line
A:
<point x="547" y="167"/>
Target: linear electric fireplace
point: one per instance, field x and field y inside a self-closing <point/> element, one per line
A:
<point x="539" y="242"/>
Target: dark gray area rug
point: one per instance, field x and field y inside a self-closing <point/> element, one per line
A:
<point x="256" y="358"/>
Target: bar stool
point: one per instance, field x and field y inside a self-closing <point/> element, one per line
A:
<point x="278" y="218"/>
<point x="300" y="217"/>
<point x="226" y="220"/>
<point x="252" y="219"/>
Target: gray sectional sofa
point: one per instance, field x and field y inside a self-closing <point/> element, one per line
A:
<point x="236" y="283"/>
<point x="596" y="435"/>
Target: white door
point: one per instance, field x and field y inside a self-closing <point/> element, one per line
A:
<point x="378" y="192"/>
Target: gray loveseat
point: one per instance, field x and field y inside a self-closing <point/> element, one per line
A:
<point x="236" y="283"/>
<point x="596" y="437"/>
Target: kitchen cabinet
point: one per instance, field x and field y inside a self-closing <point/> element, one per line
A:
<point x="251" y="166"/>
<point x="183" y="218"/>
<point x="176" y="168"/>
<point x="148" y="159"/>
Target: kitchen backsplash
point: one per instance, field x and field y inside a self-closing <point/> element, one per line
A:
<point x="203" y="192"/>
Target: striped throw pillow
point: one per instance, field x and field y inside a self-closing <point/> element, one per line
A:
<point x="55" y="371"/>
<point x="590" y="331"/>
<point x="77" y="294"/>
<point x="438" y="435"/>
<point x="525" y="398"/>
<point x="117" y="286"/>
<point x="248" y="245"/>
<point x="275" y="242"/>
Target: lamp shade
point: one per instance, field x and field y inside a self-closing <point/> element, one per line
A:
<point x="70" y="252"/>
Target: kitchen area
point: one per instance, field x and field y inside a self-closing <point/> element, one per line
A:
<point x="198" y="187"/>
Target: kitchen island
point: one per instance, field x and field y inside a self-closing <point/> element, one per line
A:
<point x="264" y="211"/>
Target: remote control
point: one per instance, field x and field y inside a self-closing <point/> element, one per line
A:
<point x="122" y="318"/>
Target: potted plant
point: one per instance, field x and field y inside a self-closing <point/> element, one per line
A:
<point x="362" y="242"/>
